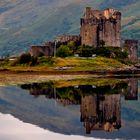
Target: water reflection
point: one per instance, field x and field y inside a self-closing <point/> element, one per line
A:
<point x="132" y="92"/>
<point x="101" y="112"/>
<point x="100" y="105"/>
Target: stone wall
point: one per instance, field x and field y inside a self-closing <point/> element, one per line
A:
<point x="67" y="38"/>
<point x="97" y="26"/>
<point x="132" y="46"/>
<point x="46" y="50"/>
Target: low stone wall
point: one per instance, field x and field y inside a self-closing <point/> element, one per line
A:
<point x="41" y="50"/>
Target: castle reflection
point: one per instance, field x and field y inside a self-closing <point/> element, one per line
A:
<point x="101" y="112"/>
<point x="100" y="106"/>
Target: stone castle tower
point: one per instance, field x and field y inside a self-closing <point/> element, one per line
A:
<point x="101" y="26"/>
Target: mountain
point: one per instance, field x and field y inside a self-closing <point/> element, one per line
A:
<point x="27" y="22"/>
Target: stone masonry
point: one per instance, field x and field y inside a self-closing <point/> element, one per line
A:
<point x="132" y="46"/>
<point x="101" y="25"/>
<point x="68" y="38"/>
<point x="46" y="50"/>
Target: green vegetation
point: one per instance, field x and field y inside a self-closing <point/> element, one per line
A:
<point x="24" y="58"/>
<point x="107" y="58"/>
<point x="63" y="51"/>
<point x="72" y="93"/>
<point x="101" y="63"/>
<point x="112" y="52"/>
<point x="74" y="89"/>
<point x="45" y="61"/>
<point x="87" y="81"/>
<point x="85" y="51"/>
<point x="66" y="64"/>
<point x="73" y="46"/>
<point x="61" y="83"/>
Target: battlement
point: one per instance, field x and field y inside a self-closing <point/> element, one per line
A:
<point x="67" y="38"/>
<point x="104" y="14"/>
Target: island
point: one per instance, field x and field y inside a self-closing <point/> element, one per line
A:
<point x="99" y="49"/>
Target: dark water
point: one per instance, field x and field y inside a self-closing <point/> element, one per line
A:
<point x="107" y="111"/>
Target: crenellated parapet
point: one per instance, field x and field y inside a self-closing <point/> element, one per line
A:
<point x="101" y="25"/>
<point x="68" y="38"/>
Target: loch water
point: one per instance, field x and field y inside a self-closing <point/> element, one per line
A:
<point x="71" y="111"/>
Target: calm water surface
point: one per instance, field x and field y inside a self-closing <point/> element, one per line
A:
<point x="64" y="111"/>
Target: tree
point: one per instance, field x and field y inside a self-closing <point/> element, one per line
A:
<point x="63" y="51"/>
<point x="86" y="51"/>
<point x="73" y="47"/>
<point x="33" y="61"/>
<point x="24" y="58"/>
<point x="103" y="51"/>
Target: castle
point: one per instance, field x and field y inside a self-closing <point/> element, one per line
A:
<point x="98" y="28"/>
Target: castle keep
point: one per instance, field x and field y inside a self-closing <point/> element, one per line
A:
<point x="101" y="26"/>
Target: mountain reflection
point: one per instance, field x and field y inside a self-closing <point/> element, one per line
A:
<point x="100" y="106"/>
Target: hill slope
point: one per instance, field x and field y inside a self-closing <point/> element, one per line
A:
<point x="26" y="22"/>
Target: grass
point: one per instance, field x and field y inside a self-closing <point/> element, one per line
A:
<point x="89" y="63"/>
<point x="71" y="63"/>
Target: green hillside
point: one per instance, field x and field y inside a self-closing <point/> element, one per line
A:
<point x="27" y="22"/>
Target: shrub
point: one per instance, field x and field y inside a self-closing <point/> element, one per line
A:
<point x="45" y="60"/>
<point x="63" y="51"/>
<point x="33" y="61"/>
<point x="86" y="51"/>
<point x="102" y="51"/>
<point x="73" y="46"/>
<point x="4" y="62"/>
<point x="113" y="52"/>
<point x="24" y="58"/>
